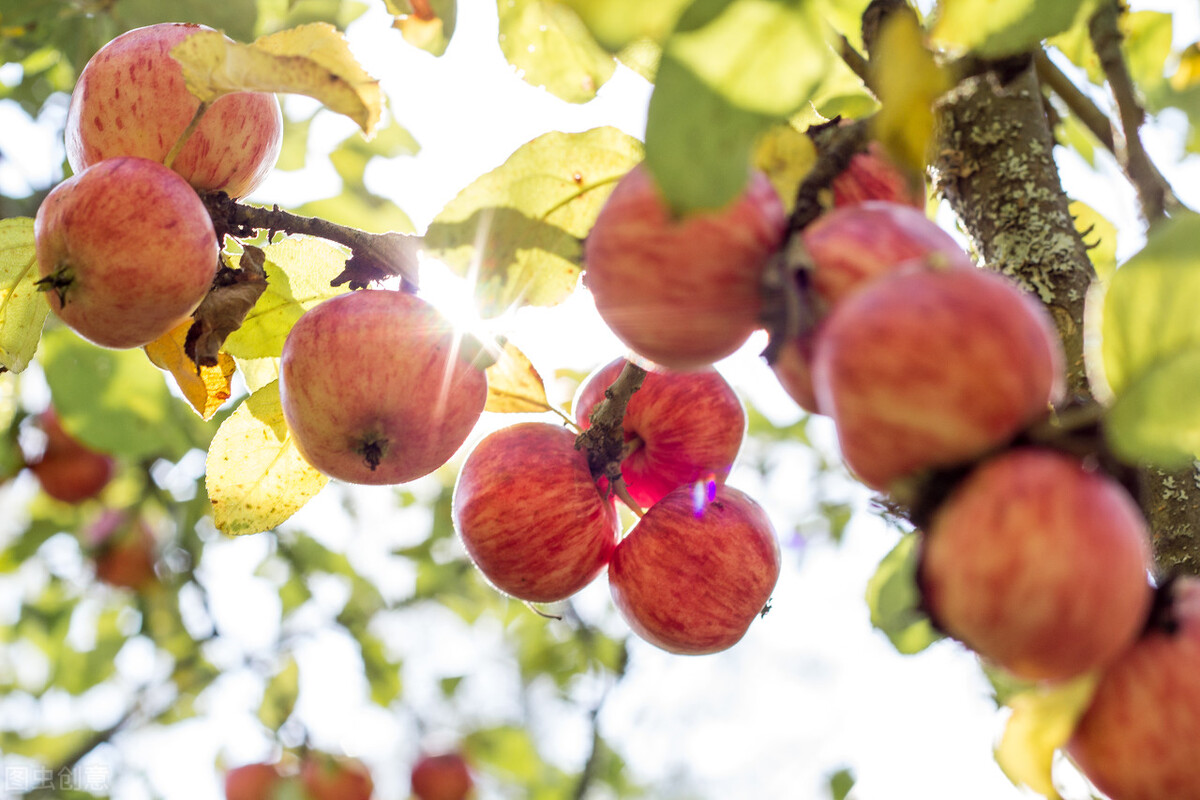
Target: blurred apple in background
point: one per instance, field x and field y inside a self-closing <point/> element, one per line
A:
<point x="441" y="777"/>
<point x="67" y="469"/>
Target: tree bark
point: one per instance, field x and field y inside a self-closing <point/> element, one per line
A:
<point x="994" y="164"/>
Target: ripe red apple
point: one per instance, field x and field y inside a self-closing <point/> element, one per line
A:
<point x="683" y="427"/>
<point x="329" y="778"/>
<point x="1039" y="565"/>
<point x="376" y="387"/>
<point x="1138" y="738"/>
<point x="125" y="550"/>
<point x="682" y="292"/>
<point x="531" y="516"/>
<point x="932" y="366"/>
<point x="252" y="782"/>
<point x="441" y="777"/>
<point x="696" y="570"/>
<point x="130" y="100"/>
<point x="126" y="251"/>
<point x="849" y="248"/>
<point x="871" y="175"/>
<point x="67" y="469"/>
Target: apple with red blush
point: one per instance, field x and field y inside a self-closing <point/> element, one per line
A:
<point x="253" y="782"/>
<point x="682" y="291"/>
<point x="326" y="777"/>
<point x="531" y="516"/>
<point x="67" y="469"/>
<point x="696" y="569"/>
<point x="871" y="175"/>
<point x="1038" y="564"/>
<point x="441" y="776"/>
<point x="679" y="428"/>
<point x="378" y="388"/>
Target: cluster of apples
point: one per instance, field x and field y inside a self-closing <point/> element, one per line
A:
<point x="125" y="247"/>
<point x="434" y="776"/>
<point x="691" y="574"/>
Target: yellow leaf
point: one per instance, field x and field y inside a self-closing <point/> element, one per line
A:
<point x="908" y="82"/>
<point x="1187" y="74"/>
<point x="206" y="388"/>
<point x="312" y="60"/>
<point x="514" y="386"/>
<point x="1043" y="719"/>
<point x="786" y="156"/>
<point x="256" y="478"/>
<point x="22" y="308"/>
<point x="1099" y="235"/>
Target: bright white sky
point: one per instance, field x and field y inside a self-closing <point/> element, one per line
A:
<point x="812" y="687"/>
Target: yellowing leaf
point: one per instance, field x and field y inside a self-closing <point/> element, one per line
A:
<point x="786" y="156"/>
<point x="908" y="81"/>
<point x="997" y="29"/>
<point x="550" y="47"/>
<point x="312" y="60"/>
<point x="427" y="24"/>
<point x="514" y="386"/>
<point x="1042" y="721"/>
<point x="1187" y="74"/>
<point x="518" y="230"/>
<point x="206" y="388"/>
<point x="299" y="270"/>
<point x="1099" y="235"/>
<point x="255" y="476"/>
<point x="23" y="310"/>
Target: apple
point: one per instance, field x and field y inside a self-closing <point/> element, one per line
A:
<point x="124" y="550"/>
<point x="530" y="515"/>
<point x="1137" y="740"/>
<point x="252" y="782"/>
<point x="695" y="571"/>
<point x="682" y="292"/>
<point x="871" y="175"/>
<point x="126" y="251"/>
<point x="441" y="777"/>
<point x="376" y="387"/>
<point x="67" y="469"/>
<point x="1038" y="564"/>
<point x="329" y="778"/>
<point x="680" y="427"/>
<point x="130" y="100"/>
<point x="932" y="366"/>
<point x="850" y="247"/>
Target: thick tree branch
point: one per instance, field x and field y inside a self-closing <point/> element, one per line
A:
<point x="373" y="256"/>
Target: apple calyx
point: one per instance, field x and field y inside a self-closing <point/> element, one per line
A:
<point x="58" y="282"/>
<point x="373" y="448"/>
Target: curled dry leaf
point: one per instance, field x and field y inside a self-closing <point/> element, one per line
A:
<point x="206" y="388"/>
<point x="312" y="60"/>
<point x="224" y="308"/>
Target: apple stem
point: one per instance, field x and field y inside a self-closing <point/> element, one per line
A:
<point x="631" y="447"/>
<point x="620" y="490"/>
<point x="183" y="137"/>
<point x="543" y="614"/>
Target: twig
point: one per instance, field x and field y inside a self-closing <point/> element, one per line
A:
<point x="1095" y="120"/>
<point x="604" y="440"/>
<point x="855" y="61"/>
<point x="1149" y="183"/>
<point x="373" y="256"/>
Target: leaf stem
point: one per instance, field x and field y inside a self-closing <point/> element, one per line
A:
<point x="183" y="137"/>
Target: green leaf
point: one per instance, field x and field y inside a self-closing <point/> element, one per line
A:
<point x="46" y="748"/>
<point x="80" y="670"/>
<point x="616" y="24"/>
<point x="23" y="309"/>
<point x="1157" y="418"/>
<point x="1150" y="306"/>
<point x="237" y="20"/>
<point x="895" y="599"/>
<point x="115" y="401"/>
<point x="351" y="156"/>
<point x="279" y="697"/>
<point x="552" y="48"/>
<point x="383" y="673"/>
<point x="690" y="123"/>
<point x="994" y="29"/>
<point x="299" y="271"/>
<point x="431" y="29"/>
<point x="506" y="751"/>
<point x="840" y="784"/>
<point x="764" y="56"/>
<point x="255" y="476"/>
<point x="518" y="230"/>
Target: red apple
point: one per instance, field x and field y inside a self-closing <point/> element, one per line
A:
<point x="329" y="778"/>
<point x="931" y="366"/>
<point x="376" y="387"/>
<point x="871" y="175"/>
<point x="441" y="777"/>
<point x="531" y="515"/>
<point x="849" y="248"/>
<point x="696" y="570"/>
<point x="252" y="782"/>
<point x="130" y="100"/>
<point x="124" y="550"/>
<point x="682" y="292"/>
<point x="1039" y="565"/>
<point x="1138" y="738"/>
<point x="682" y="427"/>
<point x="67" y="469"/>
<point x="126" y="251"/>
